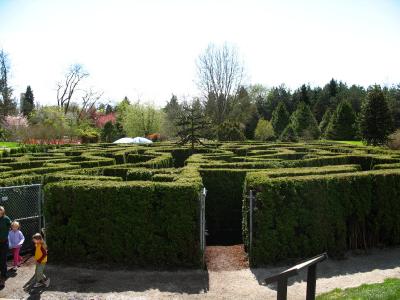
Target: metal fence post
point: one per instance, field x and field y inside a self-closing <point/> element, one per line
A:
<point x="202" y="204"/>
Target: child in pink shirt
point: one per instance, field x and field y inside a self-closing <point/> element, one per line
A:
<point x="15" y="241"/>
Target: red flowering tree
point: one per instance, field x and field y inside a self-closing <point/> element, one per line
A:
<point x="101" y="120"/>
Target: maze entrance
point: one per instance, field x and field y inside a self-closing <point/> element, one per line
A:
<point x="223" y="208"/>
<point x="24" y="204"/>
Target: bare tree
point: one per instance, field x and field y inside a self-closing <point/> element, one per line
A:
<point x="219" y="76"/>
<point x="89" y="100"/>
<point x="67" y="87"/>
<point x="7" y="104"/>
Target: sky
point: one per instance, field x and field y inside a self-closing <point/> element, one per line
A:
<point x="147" y="49"/>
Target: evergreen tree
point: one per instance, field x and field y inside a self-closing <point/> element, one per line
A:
<point x="108" y="133"/>
<point x="303" y="122"/>
<point x="280" y="118"/>
<point x="326" y="119"/>
<point x="251" y="124"/>
<point x="191" y="123"/>
<point x="171" y="110"/>
<point x="230" y="131"/>
<point x="342" y="124"/>
<point x="289" y="135"/>
<point x="109" y="109"/>
<point x="376" y="122"/>
<point x="302" y="94"/>
<point x="27" y="102"/>
<point x="333" y="87"/>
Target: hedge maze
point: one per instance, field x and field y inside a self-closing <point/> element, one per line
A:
<point x="138" y="205"/>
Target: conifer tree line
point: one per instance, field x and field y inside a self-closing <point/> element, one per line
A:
<point x="335" y="111"/>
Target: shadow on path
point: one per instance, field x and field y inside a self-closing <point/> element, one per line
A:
<point x="104" y="281"/>
<point x="375" y="259"/>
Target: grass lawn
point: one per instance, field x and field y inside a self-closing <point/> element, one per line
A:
<point x="354" y="143"/>
<point x="388" y="290"/>
<point x="9" y="144"/>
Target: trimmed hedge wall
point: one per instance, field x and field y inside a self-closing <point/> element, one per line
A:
<point x="137" y="223"/>
<point x="21" y="180"/>
<point x="298" y="217"/>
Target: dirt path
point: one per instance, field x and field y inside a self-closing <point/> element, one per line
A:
<point x="238" y="282"/>
<point x="226" y="258"/>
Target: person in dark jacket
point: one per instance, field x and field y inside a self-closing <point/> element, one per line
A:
<point x="5" y="224"/>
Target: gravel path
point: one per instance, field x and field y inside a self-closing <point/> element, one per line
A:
<point x="71" y="283"/>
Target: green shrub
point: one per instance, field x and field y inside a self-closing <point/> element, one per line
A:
<point x="41" y="170"/>
<point x="135" y="158"/>
<point x="5" y="169"/>
<point x="21" y="180"/>
<point x="387" y="166"/>
<point x="136" y="223"/>
<point x="61" y="177"/>
<point x="139" y="174"/>
<point x="297" y="217"/>
<point x="163" y="177"/>
<point x="230" y="131"/>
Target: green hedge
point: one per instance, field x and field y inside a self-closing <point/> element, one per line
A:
<point x="18" y="165"/>
<point x="21" y="180"/>
<point x="298" y="217"/>
<point x="41" y="170"/>
<point x="136" y="223"/>
<point x="139" y="174"/>
<point x="387" y="166"/>
<point x="366" y="162"/>
<point x="5" y="169"/>
<point x="224" y="197"/>
<point x="62" y="177"/>
<point x="136" y="158"/>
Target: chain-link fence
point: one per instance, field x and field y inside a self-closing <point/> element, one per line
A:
<point x="24" y="204"/>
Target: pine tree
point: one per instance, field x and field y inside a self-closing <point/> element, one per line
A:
<point x="342" y="124"/>
<point x="326" y="119"/>
<point x="280" y="118"/>
<point x="108" y="132"/>
<point x="289" y="135"/>
<point x="230" y="131"/>
<point x="191" y="123"/>
<point x="28" y="102"/>
<point x="303" y="122"/>
<point x="376" y="122"/>
<point x="172" y="111"/>
<point x="109" y="109"/>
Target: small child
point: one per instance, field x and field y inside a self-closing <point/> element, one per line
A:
<point x="15" y="241"/>
<point x="41" y="260"/>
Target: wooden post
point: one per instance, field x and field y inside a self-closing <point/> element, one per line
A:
<point x="282" y="289"/>
<point x="311" y="282"/>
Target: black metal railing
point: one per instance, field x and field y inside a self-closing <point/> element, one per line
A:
<point x="282" y="278"/>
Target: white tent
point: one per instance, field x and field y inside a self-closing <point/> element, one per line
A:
<point x="141" y="140"/>
<point x="136" y="140"/>
<point x="124" y="140"/>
